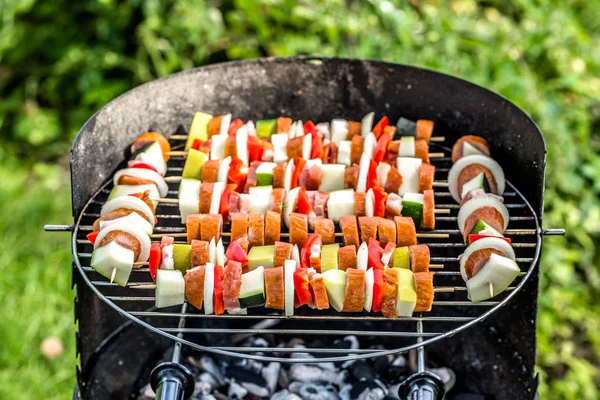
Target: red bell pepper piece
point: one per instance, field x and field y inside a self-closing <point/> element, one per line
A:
<point x="318" y="150"/>
<point x="225" y="206"/>
<point x="197" y="143"/>
<point x="301" y="288"/>
<point x="218" y="303"/>
<point x="303" y="206"/>
<point x="205" y="146"/>
<point x="155" y="259"/>
<point x="314" y="239"/>
<point x="378" y="290"/>
<point x="372" y="175"/>
<point x="237" y="174"/>
<point x="255" y="149"/>
<point x="142" y="165"/>
<point x="92" y="237"/>
<point x="309" y="127"/>
<point x="375" y="253"/>
<point x="382" y="145"/>
<point x="378" y="129"/>
<point x="235" y="125"/>
<point x="380" y="198"/>
<point x="475" y="237"/>
<point x="236" y="252"/>
<point x="298" y="166"/>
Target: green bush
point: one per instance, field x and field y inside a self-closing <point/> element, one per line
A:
<point x="60" y="61"/>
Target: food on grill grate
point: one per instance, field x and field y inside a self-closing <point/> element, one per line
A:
<point x="492" y="213"/>
<point x="170" y="288"/>
<point x="493" y="278"/>
<point x="335" y="281"/>
<point x="470" y="168"/>
<point x="264" y="256"/>
<point x="141" y="176"/>
<point x="390" y="279"/>
<point x="113" y="261"/>
<point x="469" y="145"/>
<point x="406" y="295"/>
<point x="354" y="295"/>
<point x="477" y="253"/>
<point x="194" y="286"/>
<point x="401" y="257"/>
<point x="274" y="288"/>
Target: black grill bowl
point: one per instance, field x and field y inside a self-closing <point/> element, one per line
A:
<point x="496" y="357"/>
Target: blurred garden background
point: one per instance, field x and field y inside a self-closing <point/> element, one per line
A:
<point x="60" y="61"/>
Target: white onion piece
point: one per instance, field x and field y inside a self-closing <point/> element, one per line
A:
<point x="382" y="173"/>
<point x="339" y="130"/>
<point x="212" y="251"/>
<point x="215" y="201"/>
<point x="362" y="257"/>
<point x="370" y="204"/>
<point x="136" y="231"/>
<point x="209" y="288"/>
<point x="225" y="122"/>
<point x="344" y="150"/>
<point x="370" y="144"/>
<point x="241" y="144"/>
<point x="366" y="125"/>
<point x="130" y="203"/>
<point x="131" y="219"/>
<point x="478" y="202"/>
<point x="306" y="146"/>
<point x="287" y="179"/>
<point x="369" y="283"/>
<point x="485" y="243"/>
<point x="289" y="267"/>
<point x="223" y="169"/>
<point x="493" y="278"/>
<point x="220" y="252"/>
<point x="147" y="174"/>
<point x="363" y="173"/>
<point x="485" y="161"/>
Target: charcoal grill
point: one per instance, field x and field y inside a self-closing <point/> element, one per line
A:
<point x="318" y="89"/>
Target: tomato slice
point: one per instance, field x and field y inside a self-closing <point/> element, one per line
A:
<point x="378" y="129"/>
<point x="309" y="127"/>
<point x="475" y="237"/>
<point x="298" y="166"/>
<point x="92" y="237"/>
<point x="236" y="252"/>
<point x="304" y="206"/>
<point x="314" y="239"/>
<point x="378" y="290"/>
<point x="382" y="145"/>
<point x="379" y="201"/>
<point x="375" y="253"/>
<point x="142" y="165"/>
<point x="218" y="303"/>
<point x="235" y="125"/>
<point x="301" y="288"/>
<point x="154" y="259"/>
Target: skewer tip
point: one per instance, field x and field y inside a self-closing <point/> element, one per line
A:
<point x="491" y="286"/>
<point x="113" y="274"/>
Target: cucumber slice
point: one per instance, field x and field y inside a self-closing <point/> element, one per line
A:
<point x="406" y="296"/>
<point x="382" y="173"/>
<point x="370" y="144"/>
<point x="223" y="169"/>
<point x="261" y="256"/>
<point x="170" y="288"/>
<point x="344" y="150"/>
<point x="153" y="155"/>
<point x="217" y="146"/>
<point x="407" y="146"/>
<point x="499" y="271"/>
<point x="332" y="178"/>
<point x="189" y="195"/>
<point x="193" y="164"/>
<point x="366" y="125"/>
<point x="225" y="122"/>
<point x="481" y="227"/>
<point x="329" y="253"/>
<point x="265" y="128"/>
<point x="289" y="267"/>
<point x="362" y="256"/>
<point x="125" y="190"/>
<point x="209" y="288"/>
<point x="478" y="182"/>
<point x="289" y="205"/>
<point x="340" y="203"/>
<point x="412" y="206"/>
<point x="469" y="150"/>
<point x="182" y="257"/>
<point x="401" y="258"/>
<point x="212" y="251"/>
<point x="113" y="256"/>
<point x="410" y="169"/>
<point x="369" y="283"/>
<point x="220" y="251"/>
<point x="260" y="199"/>
<point x="198" y="129"/>
<point x="335" y="283"/>
<point x="306" y="146"/>
<point x="264" y="174"/>
<point x="339" y="130"/>
<point x="406" y="127"/>
<point x="279" y="142"/>
<point x="363" y="173"/>
<point x="241" y="144"/>
<point x="252" y="292"/>
<point x="287" y="179"/>
<point x="215" y="201"/>
<point x="370" y="203"/>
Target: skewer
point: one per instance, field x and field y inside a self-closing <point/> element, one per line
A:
<point x="284" y="234"/>
<point x="113" y="274"/>
<point x="431" y="139"/>
<point x="179" y="178"/>
<point x="435" y="290"/>
<point x="183" y="153"/>
<point x="491" y="289"/>
<point x="437" y="184"/>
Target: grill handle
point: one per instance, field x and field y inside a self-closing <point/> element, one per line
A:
<point x="422" y="386"/>
<point x="172" y="381"/>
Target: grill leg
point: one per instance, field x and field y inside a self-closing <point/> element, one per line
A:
<point x="172" y="381"/>
<point x="422" y="385"/>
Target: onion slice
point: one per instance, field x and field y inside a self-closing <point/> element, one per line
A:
<point x="476" y="203"/>
<point x="136" y="231"/>
<point x="493" y="278"/>
<point x="288" y="274"/>
<point x="146" y="174"/>
<point x="130" y="203"/>
<point x="481" y="244"/>
<point x="464" y="162"/>
<point x="369" y="283"/>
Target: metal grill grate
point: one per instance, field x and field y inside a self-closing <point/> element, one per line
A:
<point x="452" y="312"/>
